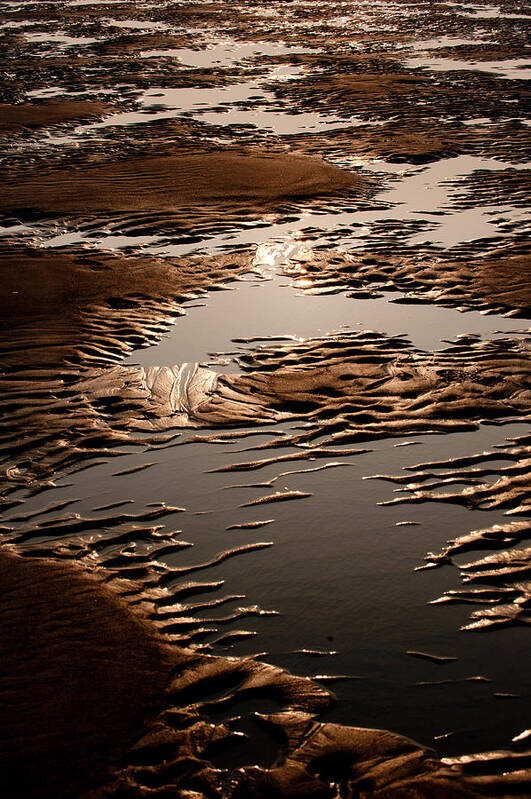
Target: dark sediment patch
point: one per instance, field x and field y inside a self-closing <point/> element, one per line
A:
<point x="80" y="676"/>
<point x="40" y="115"/>
<point x="166" y="183"/>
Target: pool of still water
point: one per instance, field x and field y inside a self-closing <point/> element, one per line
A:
<point x="340" y="574"/>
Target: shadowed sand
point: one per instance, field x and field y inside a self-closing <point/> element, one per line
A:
<point x="80" y="673"/>
<point x="164" y="183"/>
<point x="32" y="115"/>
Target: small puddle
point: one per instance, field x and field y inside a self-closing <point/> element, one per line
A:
<point x="138" y="24"/>
<point x="225" y="106"/>
<point x="484" y="12"/>
<point x="59" y="39"/>
<point x="226" y="53"/>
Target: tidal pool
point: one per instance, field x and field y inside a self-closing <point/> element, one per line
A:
<point x="275" y="307"/>
<point x="299" y="560"/>
<point x="343" y="553"/>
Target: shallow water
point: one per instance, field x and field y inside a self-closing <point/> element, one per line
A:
<point x="367" y="605"/>
<point x="235" y="105"/>
<point x="225" y="53"/>
<point x="276" y="307"/>
<point x="515" y="69"/>
<point x="59" y="38"/>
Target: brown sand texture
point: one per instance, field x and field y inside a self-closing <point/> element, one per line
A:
<point x="33" y="115"/>
<point x="98" y="702"/>
<point x="164" y="183"/>
<point x="80" y="674"/>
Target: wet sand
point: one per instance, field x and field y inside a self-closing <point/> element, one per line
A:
<point x="81" y="675"/>
<point x="13" y="117"/>
<point x="89" y="682"/>
<point x="168" y="183"/>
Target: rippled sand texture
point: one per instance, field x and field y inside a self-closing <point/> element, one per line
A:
<point x="67" y="317"/>
<point x="506" y="599"/>
<point x="122" y="677"/>
<point x="154" y="155"/>
<point x="151" y="184"/>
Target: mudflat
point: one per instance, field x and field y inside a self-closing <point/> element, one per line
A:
<point x="296" y="242"/>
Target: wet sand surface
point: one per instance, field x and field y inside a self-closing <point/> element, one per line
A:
<point x="264" y="386"/>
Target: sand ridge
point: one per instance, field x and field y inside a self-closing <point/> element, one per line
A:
<point x="159" y="183"/>
<point x="39" y="115"/>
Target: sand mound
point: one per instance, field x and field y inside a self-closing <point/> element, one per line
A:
<point x="30" y="115"/>
<point x="168" y="182"/>
<point x="80" y="673"/>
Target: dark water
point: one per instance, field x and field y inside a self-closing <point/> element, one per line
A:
<point x="340" y="574"/>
